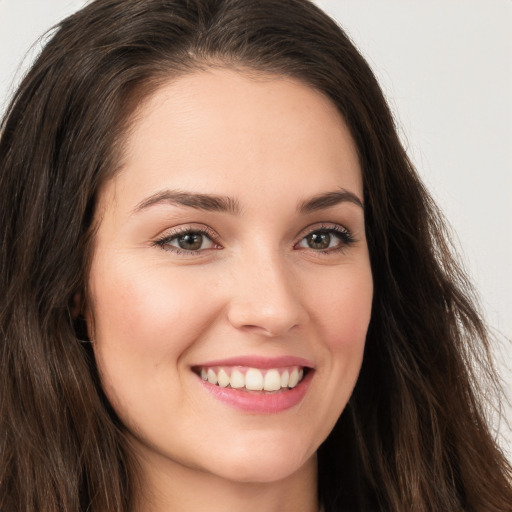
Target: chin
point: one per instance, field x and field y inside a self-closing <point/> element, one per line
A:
<point x="268" y="463"/>
<point x="263" y="471"/>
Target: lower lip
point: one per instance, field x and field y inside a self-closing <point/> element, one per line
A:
<point x="260" y="403"/>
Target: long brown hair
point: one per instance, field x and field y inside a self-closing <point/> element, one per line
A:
<point x="413" y="436"/>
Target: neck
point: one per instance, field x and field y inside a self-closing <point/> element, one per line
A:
<point x="166" y="485"/>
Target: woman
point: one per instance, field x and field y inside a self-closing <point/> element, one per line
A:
<point x="224" y="285"/>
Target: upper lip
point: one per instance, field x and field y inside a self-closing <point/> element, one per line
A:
<point x="259" y="362"/>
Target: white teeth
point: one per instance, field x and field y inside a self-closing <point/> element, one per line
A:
<point x="272" y="381"/>
<point x="294" y="378"/>
<point x="222" y="378"/>
<point x="237" y="379"/>
<point x="253" y="380"/>
<point x="212" y="376"/>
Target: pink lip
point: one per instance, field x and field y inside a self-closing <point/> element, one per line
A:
<point x="258" y="402"/>
<point x="259" y="362"/>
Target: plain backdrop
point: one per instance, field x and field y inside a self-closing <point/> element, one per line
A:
<point x="446" y="69"/>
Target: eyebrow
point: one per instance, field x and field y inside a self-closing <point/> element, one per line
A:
<point x="216" y="203"/>
<point x="329" y="199"/>
<point x="207" y="202"/>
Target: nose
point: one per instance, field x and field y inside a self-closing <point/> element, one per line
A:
<point x="265" y="297"/>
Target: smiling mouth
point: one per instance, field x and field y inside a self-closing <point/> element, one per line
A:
<point x="248" y="379"/>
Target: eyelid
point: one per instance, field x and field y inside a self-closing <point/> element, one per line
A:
<point x="323" y="226"/>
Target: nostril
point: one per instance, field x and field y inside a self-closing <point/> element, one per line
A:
<point x="253" y="319"/>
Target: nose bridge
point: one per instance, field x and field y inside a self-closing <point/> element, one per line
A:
<point x="264" y="295"/>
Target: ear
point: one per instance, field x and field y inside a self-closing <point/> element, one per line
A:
<point x="82" y="319"/>
<point x="76" y="305"/>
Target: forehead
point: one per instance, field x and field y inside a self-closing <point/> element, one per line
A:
<point x="231" y="132"/>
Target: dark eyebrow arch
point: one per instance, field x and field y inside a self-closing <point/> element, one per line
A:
<point x="207" y="202"/>
<point x="321" y="201"/>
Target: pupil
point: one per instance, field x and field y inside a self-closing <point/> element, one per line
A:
<point x="319" y="240"/>
<point x="190" y="241"/>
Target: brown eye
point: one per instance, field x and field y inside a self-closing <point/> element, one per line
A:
<point x="190" y="241"/>
<point x="326" y="239"/>
<point x="319" y="240"/>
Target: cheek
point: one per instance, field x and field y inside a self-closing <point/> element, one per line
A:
<point x="343" y="310"/>
<point x="141" y="312"/>
<point x="342" y="305"/>
<point x="342" y="316"/>
<point x="144" y="321"/>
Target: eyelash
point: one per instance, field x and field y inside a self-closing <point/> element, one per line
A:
<point x="343" y="234"/>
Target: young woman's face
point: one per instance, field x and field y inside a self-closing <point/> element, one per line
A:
<point x="231" y="247"/>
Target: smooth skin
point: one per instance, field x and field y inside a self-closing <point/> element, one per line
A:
<point x="173" y="285"/>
